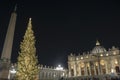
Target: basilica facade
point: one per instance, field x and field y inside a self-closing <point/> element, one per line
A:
<point x="98" y="61"/>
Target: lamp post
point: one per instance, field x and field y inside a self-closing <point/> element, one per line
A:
<point x="12" y="72"/>
<point x="114" y="74"/>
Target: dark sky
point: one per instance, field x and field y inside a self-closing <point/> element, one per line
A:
<point x="62" y="27"/>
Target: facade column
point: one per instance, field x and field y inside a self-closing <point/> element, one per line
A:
<point x="80" y="70"/>
<point x="84" y="69"/>
<point x="74" y="69"/>
<point x="69" y="69"/>
<point x="90" y="69"/>
<point x="49" y="75"/>
<point x="106" y="67"/>
<point x="99" y="69"/>
<point x="94" y="69"/>
<point x="119" y="62"/>
<point x="109" y="65"/>
<point x="77" y="69"/>
<point x="86" y="73"/>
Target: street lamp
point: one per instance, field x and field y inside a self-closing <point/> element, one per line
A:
<point x="12" y="72"/>
<point x="113" y="74"/>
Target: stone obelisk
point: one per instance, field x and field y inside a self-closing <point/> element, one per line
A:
<point x="7" y="48"/>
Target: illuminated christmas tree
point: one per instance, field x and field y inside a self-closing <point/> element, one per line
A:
<point x="27" y="65"/>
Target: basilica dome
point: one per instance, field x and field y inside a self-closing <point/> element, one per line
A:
<point x="98" y="49"/>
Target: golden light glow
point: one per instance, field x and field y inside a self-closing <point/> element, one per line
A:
<point x="96" y="63"/>
<point x="77" y="58"/>
<point x="87" y="65"/>
<point x="81" y="57"/>
<point x="63" y="74"/>
<point x="82" y="65"/>
<point x="101" y="55"/>
<point x="114" y="53"/>
<point x="102" y="62"/>
<point x="107" y="54"/>
<point x="116" y="62"/>
<point x="71" y="67"/>
<point x="87" y="56"/>
<point x="112" y="70"/>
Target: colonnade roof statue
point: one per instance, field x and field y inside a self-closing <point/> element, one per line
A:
<point x="98" y="48"/>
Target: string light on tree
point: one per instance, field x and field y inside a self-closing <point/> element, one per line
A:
<point x="27" y="66"/>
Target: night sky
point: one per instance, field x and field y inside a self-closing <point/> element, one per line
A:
<point x="63" y="27"/>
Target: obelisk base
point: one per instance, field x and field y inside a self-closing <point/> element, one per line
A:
<point x="4" y="71"/>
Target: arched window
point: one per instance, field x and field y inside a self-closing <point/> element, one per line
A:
<point x="72" y="72"/>
<point x="82" y="71"/>
<point x="96" y="67"/>
<point x="117" y="69"/>
<point x="92" y="70"/>
<point x="82" y="68"/>
<point x="88" y="67"/>
<point x="103" y="69"/>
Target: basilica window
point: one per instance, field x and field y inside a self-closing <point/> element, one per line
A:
<point x="82" y="71"/>
<point x="88" y="67"/>
<point x="103" y="69"/>
<point x="72" y="72"/>
<point x="82" y="68"/>
<point x="96" y="67"/>
<point x="102" y="62"/>
<point x="92" y="71"/>
<point x="82" y="65"/>
<point x="88" y="72"/>
<point x="117" y="69"/>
